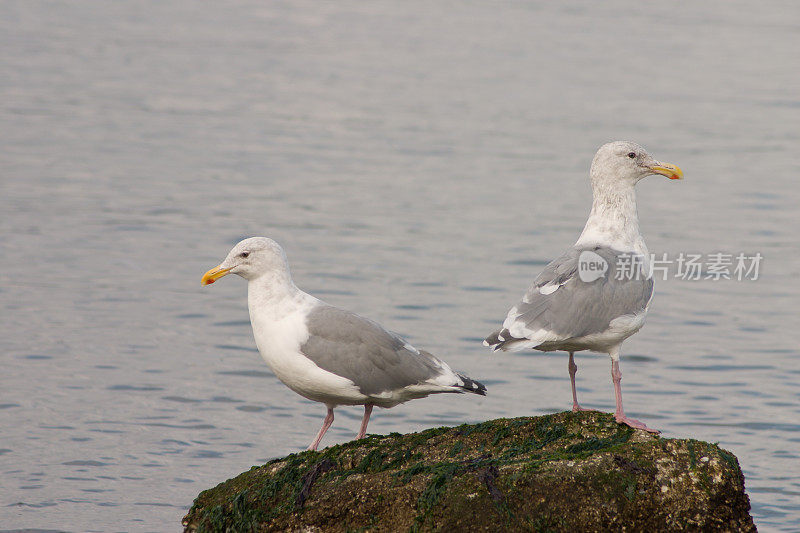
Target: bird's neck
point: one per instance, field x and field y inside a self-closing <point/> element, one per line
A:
<point x="274" y="295"/>
<point x="613" y="220"/>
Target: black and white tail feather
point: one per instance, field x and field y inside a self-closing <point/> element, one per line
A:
<point x="470" y="385"/>
<point x="502" y="340"/>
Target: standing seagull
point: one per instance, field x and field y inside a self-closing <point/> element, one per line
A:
<point x="327" y="354"/>
<point x="596" y="294"/>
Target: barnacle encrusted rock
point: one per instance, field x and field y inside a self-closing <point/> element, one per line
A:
<point x="562" y="472"/>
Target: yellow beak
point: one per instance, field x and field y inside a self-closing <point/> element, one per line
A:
<point x="673" y="172"/>
<point x="214" y="274"/>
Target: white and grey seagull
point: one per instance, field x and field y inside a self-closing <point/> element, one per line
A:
<point x="597" y="293"/>
<point x="327" y="354"/>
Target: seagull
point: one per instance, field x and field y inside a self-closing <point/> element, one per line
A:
<point x="597" y="293"/>
<point x="327" y="354"/>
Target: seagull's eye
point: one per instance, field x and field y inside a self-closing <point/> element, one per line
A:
<point x="244" y="254"/>
<point x="632" y="154"/>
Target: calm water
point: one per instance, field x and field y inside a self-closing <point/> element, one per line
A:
<point x="419" y="163"/>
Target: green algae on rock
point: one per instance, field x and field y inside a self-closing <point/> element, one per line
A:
<point x="568" y="471"/>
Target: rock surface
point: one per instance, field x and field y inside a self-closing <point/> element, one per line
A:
<point x="562" y="472"/>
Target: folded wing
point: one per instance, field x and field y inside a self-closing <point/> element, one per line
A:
<point x="560" y="306"/>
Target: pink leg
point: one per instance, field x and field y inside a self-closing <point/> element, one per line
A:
<point x="325" y="425"/>
<point x="364" y="421"/>
<point x="619" y="415"/>
<point x="573" y="369"/>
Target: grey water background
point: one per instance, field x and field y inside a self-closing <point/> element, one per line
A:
<point x="420" y="162"/>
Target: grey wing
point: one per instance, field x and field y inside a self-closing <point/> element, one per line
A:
<point x="560" y="305"/>
<point x="362" y="351"/>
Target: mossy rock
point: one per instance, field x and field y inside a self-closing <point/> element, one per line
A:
<point x="562" y="472"/>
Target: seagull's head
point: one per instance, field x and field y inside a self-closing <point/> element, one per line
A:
<point x="628" y="162"/>
<point x="250" y="259"/>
